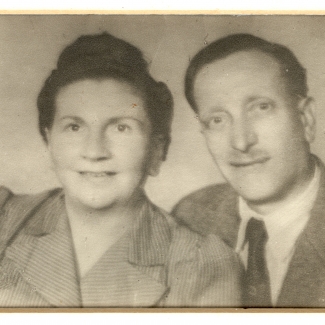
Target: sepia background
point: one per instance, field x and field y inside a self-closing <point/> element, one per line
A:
<point x="29" y="48"/>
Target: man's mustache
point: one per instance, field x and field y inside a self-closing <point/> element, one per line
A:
<point x="240" y="159"/>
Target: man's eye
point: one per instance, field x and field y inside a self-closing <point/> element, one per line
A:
<point x="215" y="122"/>
<point x="122" y="128"/>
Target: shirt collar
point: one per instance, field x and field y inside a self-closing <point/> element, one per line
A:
<point x="285" y="224"/>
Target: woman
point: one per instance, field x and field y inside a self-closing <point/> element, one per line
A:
<point x="99" y="241"/>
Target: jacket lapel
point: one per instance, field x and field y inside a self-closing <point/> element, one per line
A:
<point x="304" y="284"/>
<point x="132" y="273"/>
<point x="44" y="253"/>
<point x="228" y="219"/>
<point x="151" y="236"/>
<point x="148" y="252"/>
<point x="212" y="210"/>
<point x="135" y="271"/>
<point x="114" y="282"/>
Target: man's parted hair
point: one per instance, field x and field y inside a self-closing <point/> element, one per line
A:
<point x="104" y="56"/>
<point x="293" y="72"/>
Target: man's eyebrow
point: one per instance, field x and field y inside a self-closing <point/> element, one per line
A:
<point x="254" y="98"/>
<point x="71" y="117"/>
<point x="214" y="109"/>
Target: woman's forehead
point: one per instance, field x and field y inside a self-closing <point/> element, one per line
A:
<point x="102" y="98"/>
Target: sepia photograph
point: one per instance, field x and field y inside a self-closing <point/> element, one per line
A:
<point x="162" y="160"/>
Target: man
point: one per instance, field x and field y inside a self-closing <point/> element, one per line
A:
<point x="258" y="121"/>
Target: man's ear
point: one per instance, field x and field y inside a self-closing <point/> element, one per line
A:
<point x="47" y="137"/>
<point x="307" y="110"/>
<point x="157" y="156"/>
<point x="202" y="126"/>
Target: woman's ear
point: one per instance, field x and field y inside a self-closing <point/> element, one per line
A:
<point x="48" y="145"/>
<point x="307" y="110"/>
<point x="157" y="156"/>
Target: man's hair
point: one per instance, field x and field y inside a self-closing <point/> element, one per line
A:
<point x="293" y="72"/>
<point x="104" y="56"/>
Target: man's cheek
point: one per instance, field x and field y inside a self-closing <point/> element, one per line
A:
<point x="219" y="147"/>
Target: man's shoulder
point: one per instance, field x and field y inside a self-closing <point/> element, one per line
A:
<point x="208" y="210"/>
<point x="207" y="197"/>
<point x="193" y="256"/>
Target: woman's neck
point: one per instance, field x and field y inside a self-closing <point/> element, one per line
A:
<point x="95" y="231"/>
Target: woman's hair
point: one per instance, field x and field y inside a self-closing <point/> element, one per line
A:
<point x="104" y="56"/>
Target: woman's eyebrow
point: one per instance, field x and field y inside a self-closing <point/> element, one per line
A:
<point x="110" y="121"/>
<point x="121" y="118"/>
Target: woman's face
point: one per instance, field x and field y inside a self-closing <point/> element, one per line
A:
<point x="100" y="142"/>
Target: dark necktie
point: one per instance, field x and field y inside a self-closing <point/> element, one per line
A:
<point x="257" y="291"/>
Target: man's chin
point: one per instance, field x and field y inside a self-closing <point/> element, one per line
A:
<point x="255" y="195"/>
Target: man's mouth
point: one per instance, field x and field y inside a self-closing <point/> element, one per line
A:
<point x="97" y="174"/>
<point x="247" y="163"/>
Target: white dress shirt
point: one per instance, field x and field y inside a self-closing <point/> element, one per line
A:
<point x="283" y="227"/>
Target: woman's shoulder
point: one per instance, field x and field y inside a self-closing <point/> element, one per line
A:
<point x="5" y="194"/>
<point x="15" y="209"/>
<point x="187" y="243"/>
<point x="203" y="270"/>
<point x="10" y="202"/>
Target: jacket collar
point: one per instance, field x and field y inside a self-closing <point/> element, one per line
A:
<point x="44" y="253"/>
<point x="137" y="265"/>
<point x="151" y="237"/>
<point x="229" y="208"/>
<point x="45" y="219"/>
<point x="150" y="234"/>
<point x="44" y="250"/>
<point x="304" y="284"/>
<point x="225" y="223"/>
<point x="315" y="230"/>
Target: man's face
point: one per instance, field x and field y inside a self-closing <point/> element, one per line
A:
<point x="256" y="134"/>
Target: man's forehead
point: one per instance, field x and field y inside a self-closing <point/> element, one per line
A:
<point x="239" y="62"/>
<point x="240" y="77"/>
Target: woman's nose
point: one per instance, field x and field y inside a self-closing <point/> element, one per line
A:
<point x="96" y="147"/>
<point x="243" y="136"/>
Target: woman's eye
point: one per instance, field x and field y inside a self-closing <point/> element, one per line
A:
<point x="74" y="127"/>
<point x="264" y="106"/>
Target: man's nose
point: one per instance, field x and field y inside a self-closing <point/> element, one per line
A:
<point x="96" y="146"/>
<point x="243" y="136"/>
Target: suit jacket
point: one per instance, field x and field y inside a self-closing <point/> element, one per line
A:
<point x="214" y="209"/>
<point x="159" y="264"/>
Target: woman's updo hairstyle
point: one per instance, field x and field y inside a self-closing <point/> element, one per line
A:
<point x="104" y="56"/>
